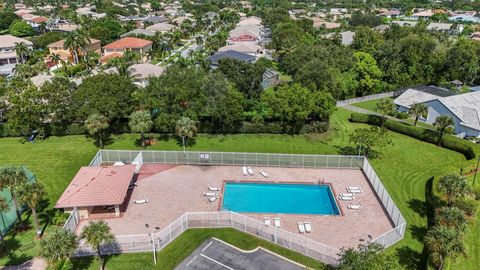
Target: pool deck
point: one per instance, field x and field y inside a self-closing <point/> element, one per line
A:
<point x="174" y="190"/>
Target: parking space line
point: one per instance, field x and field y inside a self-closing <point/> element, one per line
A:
<point x="205" y="248"/>
<point x="217" y="262"/>
<point x="191" y="261"/>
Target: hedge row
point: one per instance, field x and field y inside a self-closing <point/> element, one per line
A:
<point x="426" y="135"/>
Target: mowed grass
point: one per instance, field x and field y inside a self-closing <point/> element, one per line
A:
<point x="404" y="168"/>
<point x="185" y="244"/>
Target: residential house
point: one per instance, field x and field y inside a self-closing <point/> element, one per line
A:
<point x="119" y="47"/>
<point x="389" y="13"/>
<point x="244" y="47"/>
<point x="244" y="57"/>
<point x="448" y="28"/>
<point x="92" y="45"/>
<point x="475" y="36"/>
<point x="36" y="21"/>
<point x="161" y="27"/>
<point x="243" y="33"/>
<point x="142" y="72"/>
<point x="422" y="14"/>
<point x="412" y="96"/>
<point x="405" y="23"/>
<point x="270" y="78"/>
<point x="346" y="38"/>
<point x="155" y="19"/>
<point x="8" y="56"/>
<point x="139" y="32"/>
<point x="97" y="190"/>
<point x="464" y="18"/>
<point x="464" y="109"/>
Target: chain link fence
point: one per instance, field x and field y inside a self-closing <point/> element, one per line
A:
<point x="397" y="233"/>
<point x="158" y="240"/>
<point x="228" y="158"/>
<point x="8" y="218"/>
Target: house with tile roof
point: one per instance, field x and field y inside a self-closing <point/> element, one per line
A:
<point x="8" y="56"/>
<point x="93" y="45"/>
<point x="97" y="190"/>
<point x="119" y="47"/>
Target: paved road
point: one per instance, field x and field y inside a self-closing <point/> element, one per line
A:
<point x="216" y="255"/>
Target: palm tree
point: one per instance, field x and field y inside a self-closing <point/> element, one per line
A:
<point x="32" y="194"/>
<point x="443" y="123"/>
<point x="199" y="41"/>
<point x="185" y="128"/>
<point x="58" y="246"/>
<point x="452" y="217"/>
<point x="91" y="59"/>
<point x="11" y="178"/>
<point x="75" y="41"/>
<point x="95" y="124"/>
<point x="55" y="58"/>
<point x="4" y="207"/>
<point x="141" y="122"/>
<point x="385" y="106"/>
<point x="418" y="110"/>
<point x="443" y="242"/>
<point x="96" y="234"/>
<point x="454" y="186"/>
<point x="21" y="50"/>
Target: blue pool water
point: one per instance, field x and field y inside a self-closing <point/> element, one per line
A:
<point x="279" y="198"/>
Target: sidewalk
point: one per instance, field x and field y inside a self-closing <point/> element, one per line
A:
<point x="34" y="264"/>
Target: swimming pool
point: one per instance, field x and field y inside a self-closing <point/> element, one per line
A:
<point x="279" y="198"/>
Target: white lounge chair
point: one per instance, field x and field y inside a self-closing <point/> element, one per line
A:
<point x="276" y="222"/>
<point x="250" y="171"/>
<point x="141" y="201"/>
<point x="118" y="163"/>
<point x="244" y="171"/>
<point x="355" y="190"/>
<point x="263" y="173"/>
<point x="308" y="227"/>
<point x="354" y="206"/>
<point x="301" y="227"/>
<point x="213" y="188"/>
<point x="346" y="195"/>
<point x="346" y="198"/>
<point x="210" y="194"/>
<point x="212" y="199"/>
<point x="267" y="221"/>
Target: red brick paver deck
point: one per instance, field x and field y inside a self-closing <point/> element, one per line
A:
<point x="176" y="190"/>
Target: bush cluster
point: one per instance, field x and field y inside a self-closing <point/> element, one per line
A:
<point x="450" y="142"/>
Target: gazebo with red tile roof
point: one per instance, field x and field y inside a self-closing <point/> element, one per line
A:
<point x="97" y="186"/>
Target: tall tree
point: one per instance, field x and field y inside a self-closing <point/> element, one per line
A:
<point x="96" y="234"/>
<point x="454" y="186"/>
<point x="141" y="122"/>
<point x="366" y="139"/>
<point x="452" y="217"/>
<point x="367" y="257"/>
<point x="186" y="129"/>
<point x="418" y="110"/>
<point x="385" y="107"/>
<point x="55" y="58"/>
<point x="96" y="124"/>
<point x="369" y="74"/>
<point x="11" y="178"/>
<point x="443" y="123"/>
<point x="443" y="242"/>
<point x="75" y="42"/>
<point x="21" y="50"/>
<point x="31" y="194"/>
<point x="58" y="246"/>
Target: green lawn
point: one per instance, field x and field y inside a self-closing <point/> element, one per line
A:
<point x="186" y="243"/>
<point x="404" y="168"/>
<point x="369" y="104"/>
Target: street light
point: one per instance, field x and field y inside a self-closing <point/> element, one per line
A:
<point x="153" y="241"/>
<point x="476" y="171"/>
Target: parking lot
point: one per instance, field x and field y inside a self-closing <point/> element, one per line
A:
<point x="214" y="254"/>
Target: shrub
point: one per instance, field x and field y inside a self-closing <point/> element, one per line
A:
<point x="468" y="206"/>
<point x="315" y="127"/>
<point x="450" y="142"/>
<point x="402" y="115"/>
<point x="59" y="218"/>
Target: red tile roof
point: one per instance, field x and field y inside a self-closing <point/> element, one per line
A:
<point x="128" y="43"/>
<point x="97" y="186"/>
<point x="39" y="19"/>
<point x="105" y="58"/>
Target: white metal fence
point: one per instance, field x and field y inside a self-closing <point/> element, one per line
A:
<point x="158" y="240"/>
<point x="342" y="103"/>
<point x="229" y="158"/>
<point x="396" y="234"/>
<point x="72" y="221"/>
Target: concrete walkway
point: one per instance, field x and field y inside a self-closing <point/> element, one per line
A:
<point x="34" y="264"/>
